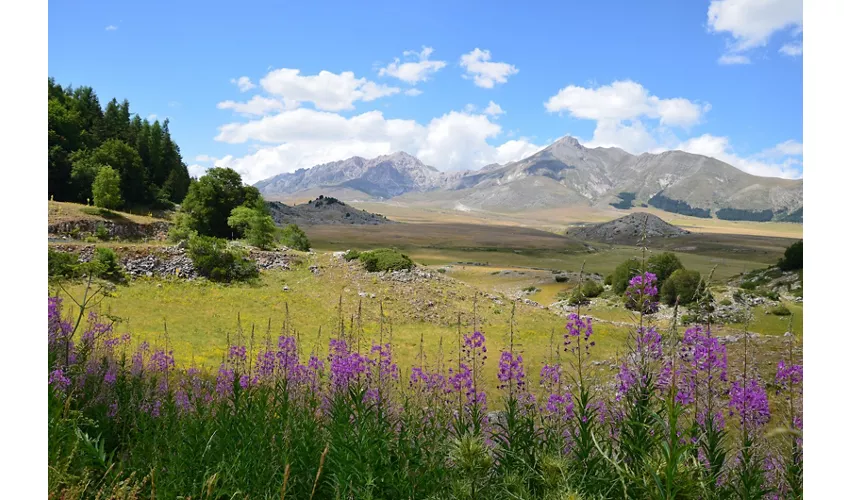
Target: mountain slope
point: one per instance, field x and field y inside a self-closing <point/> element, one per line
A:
<point x="564" y="174"/>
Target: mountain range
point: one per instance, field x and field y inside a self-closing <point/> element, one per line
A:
<point x="566" y="173"/>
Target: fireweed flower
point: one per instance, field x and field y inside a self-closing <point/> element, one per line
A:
<point x="748" y="400"/>
<point x="511" y="372"/>
<point x="787" y="375"/>
<point x="58" y="380"/>
<point x="642" y="292"/>
<point x="579" y="331"/>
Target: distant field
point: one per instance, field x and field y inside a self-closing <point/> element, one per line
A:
<point x="513" y="247"/>
<point x="559" y="219"/>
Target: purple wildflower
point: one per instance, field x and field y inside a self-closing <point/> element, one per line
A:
<point x="749" y="402"/>
<point x="59" y="380"/>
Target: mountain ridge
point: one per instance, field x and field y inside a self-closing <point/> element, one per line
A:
<point x="566" y="173"/>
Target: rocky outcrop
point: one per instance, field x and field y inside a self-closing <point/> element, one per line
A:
<point x="125" y="230"/>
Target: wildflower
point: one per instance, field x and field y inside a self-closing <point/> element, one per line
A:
<point x="642" y="292"/>
<point x="58" y="380"/>
<point x="511" y="371"/>
<point x="749" y="402"/>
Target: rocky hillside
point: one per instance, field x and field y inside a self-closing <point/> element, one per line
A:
<point x="323" y="210"/>
<point x="628" y="229"/>
<point x="564" y="174"/>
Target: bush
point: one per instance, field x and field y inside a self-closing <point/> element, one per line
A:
<point x="213" y="259"/>
<point x="531" y="289"/>
<point x="293" y="237"/>
<point x="683" y="284"/>
<point x="355" y="254"/>
<point x="101" y="232"/>
<point x="623" y="273"/>
<point x="562" y="278"/>
<point x="181" y="229"/>
<point x="725" y="302"/>
<point x="589" y="290"/>
<point x="61" y="264"/>
<point x="779" y="310"/>
<point x="663" y="265"/>
<point x="793" y="258"/>
<point x="385" y="259"/>
<point x="609" y="279"/>
<point x="255" y="223"/>
<point x="105" y="265"/>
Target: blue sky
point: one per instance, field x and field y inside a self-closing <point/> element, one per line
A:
<point x="322" y="83"/>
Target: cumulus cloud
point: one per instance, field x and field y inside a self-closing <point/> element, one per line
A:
<point x="327" y="91"/>
<point x="751" y="23"/>
<point x="493" y="109"/>
<point x="243" y="82"/>
<point x="485" y="73"/>
<point x="619" y="110"/>
<point x="111" y="27"/>
<point x="257" y="106"/>
<point x="413" y="92"/>
<point x="305" y="137"/>
<point x="624" y="100"/>
<point x="413" y="71"/>
<point x="783" y="160"/>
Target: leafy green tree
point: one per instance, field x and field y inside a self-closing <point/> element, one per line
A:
<point x="623" y="273"/>
<point x="106" y="188"/>
<point x="683" y="284"/>
<point x="212" y="198"/>
<point x="293" y="237"/>
<point x="793" y="258"/>
<point x="255" y="223"/>
<point x="663" y="265"/>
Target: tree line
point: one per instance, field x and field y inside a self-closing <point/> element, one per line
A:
<point x="84" y="138"/>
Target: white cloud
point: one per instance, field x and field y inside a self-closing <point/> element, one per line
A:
<point x="413" y="71"/>
<point x="493" y="109"/>
<point x="486" y="74"/>
<point x="786" y="165"/>
<point x="729" y="59"/>
<point x="305" y="137"/>
<point x="632" y="136"/>
<point x="413" y="92"/>
<point x="469" y="108"/>
<point x="111" y="27"/>
<point x="327" y="91"/>
<point x="624" y="100"/>
<point x="243" y="82"/>
<point x="204" y="158"/>
<point x="751" y="23"/>
<point x="792" y="49"/>
<point x="196" y="170"/>
<point x="151" y="117"/>
<point x="257" y="106"/>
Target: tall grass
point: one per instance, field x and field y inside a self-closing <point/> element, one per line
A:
<point x="276" y="420"/>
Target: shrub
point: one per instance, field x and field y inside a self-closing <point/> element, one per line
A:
<point x="663" y="265"/>
<point x="793" y="258"/>
<point x="609" y="279"/>
<point x="683" y="284"/>
<point x="181" y="229"/>
<point x="385" y="259"/>
<point x="293" y="237"/>
<point x="779" y="310"/>
<point x="213" y="259"/>
<point x="589" y="290"/>
<point x="748" y="285"/>
<point x="101" y="232"/>
<point x="355" y="254"/>
<point x="255" y="223"/>
<point x="106" y="265"/>
<point x="623" y="273"/>
<point x="531" y="289"/>
<point x="106" y="188"/>
<point x="562" y="278"/>
<point x="61" y="264"/>
<point x="725" y="302"/>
